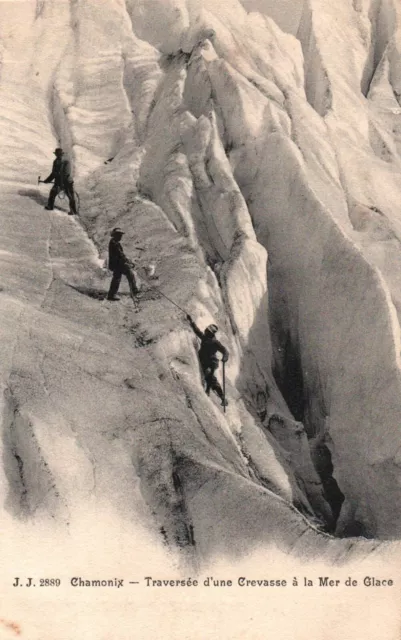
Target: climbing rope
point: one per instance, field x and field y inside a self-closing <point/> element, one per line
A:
<point x="140" y="270"/>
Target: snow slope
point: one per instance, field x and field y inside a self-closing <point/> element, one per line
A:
<point x="260" y="174"/>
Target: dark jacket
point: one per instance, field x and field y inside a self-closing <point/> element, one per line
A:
<point x="209" y="347"/>
<point x="118" y="261"/>
<point x="61" y="173"/>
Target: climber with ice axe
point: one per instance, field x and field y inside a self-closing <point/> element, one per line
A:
<point x="61" y="174"/>
<point x="208" y="358"/>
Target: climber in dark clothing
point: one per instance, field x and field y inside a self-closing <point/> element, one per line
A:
<point x="61" y="174"/>
<point x="208" y="357"/>
<point x="120" y="265"/>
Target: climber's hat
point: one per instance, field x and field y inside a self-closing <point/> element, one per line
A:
<point x="117" y="232"/>
<point x="212" y="328"/>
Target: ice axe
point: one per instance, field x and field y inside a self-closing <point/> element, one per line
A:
<point x="39" y="181"/>
<point x="224" y="386"/>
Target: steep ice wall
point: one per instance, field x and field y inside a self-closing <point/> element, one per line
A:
<point x="286" y="13"/>
<point x="195" y="127"/>
<point x="362" y="122"/>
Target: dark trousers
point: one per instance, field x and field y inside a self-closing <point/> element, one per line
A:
<point x="116" y="279"/>
<point x="209" y="369"/>
<point x="68" y="190"/>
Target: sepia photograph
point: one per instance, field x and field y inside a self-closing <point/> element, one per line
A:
<point x="200" y="304"/>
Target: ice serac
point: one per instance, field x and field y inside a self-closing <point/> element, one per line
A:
<point x="362" y="122"/>
<point x="247" y="164"/>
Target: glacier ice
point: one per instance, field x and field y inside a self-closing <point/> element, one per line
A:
<point x="255" y="160"/>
